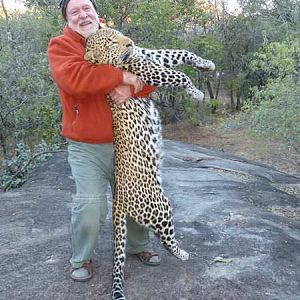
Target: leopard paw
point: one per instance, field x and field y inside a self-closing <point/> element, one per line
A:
<point x="184" y="255"/>
<point x="195" y="93"/>
<point x="205" y="65"/>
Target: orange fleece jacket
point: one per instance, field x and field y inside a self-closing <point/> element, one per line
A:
<point x="82" y="88"/>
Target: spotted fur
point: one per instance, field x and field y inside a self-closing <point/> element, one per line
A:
<point x="137" y="138"/>
<point x="152" y="66"/>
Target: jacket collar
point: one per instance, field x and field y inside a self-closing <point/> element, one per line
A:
<point x="73" y="34"/>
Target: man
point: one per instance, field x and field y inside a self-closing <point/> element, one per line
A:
<point x="87" y="125"/>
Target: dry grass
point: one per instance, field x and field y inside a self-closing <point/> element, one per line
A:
<point x="238" y="142"/>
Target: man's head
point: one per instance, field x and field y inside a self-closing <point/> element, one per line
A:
<point x="81" y="16"/>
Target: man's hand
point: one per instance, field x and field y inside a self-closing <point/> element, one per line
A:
<point x="120" y="94"/>
<point x="131" y="79"/>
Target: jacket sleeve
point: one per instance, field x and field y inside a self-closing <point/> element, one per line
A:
<point x="76" y="76"/>
<point x="144" y="93"/>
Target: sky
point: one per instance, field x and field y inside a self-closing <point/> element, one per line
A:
<point x="13" y="4"/>
<point x="232" y="4"/>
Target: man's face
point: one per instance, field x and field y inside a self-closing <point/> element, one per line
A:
<point x="82" y="17"/>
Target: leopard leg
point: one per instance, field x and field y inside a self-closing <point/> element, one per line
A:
<point x="172" y="58"/>
<point x="119" y="255"/>
<point x="157" y="75"/>
<point x="199" y="62"/>
<point x="161" y="222"/>
<point x="165" y="231"/>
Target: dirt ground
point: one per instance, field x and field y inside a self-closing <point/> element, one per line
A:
<point x="238" y="142"/>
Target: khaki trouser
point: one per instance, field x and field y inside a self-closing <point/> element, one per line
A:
<point x="92" y="168"/>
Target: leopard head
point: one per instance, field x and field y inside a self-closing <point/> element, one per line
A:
<point x="108" y="46"/>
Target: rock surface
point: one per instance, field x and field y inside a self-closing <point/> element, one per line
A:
<point x="239" y="220"/>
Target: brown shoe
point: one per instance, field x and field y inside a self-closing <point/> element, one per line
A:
<point x="83" y="273"/>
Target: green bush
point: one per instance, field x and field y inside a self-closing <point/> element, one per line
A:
<point x="15" y="170"/>
<point x="214" y="104"/>
<point x="278" y="112"/>
<point x="30" y="112"/>
<point x="274" y="108"/>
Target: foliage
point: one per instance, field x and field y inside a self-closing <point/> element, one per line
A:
<point x="17" y="168"/>
<point x="276" y="60"/>
<point x="148" y="32"/>
<point x="117" y="13"/>
<point x="29" y="107"/>
<point x="27" y="92"/>
<point x="274" y="108"/>
<point x="278" y="112"/>
<point x="214" y="104"/>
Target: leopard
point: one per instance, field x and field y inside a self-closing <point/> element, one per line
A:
<point x="137" y="140"/>
<point x="152" y="66"/>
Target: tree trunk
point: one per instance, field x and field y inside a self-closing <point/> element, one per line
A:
<point x="210" y="91"/>
<point x="3" y="145"/>
<point x="231" y="97"/>
<point x="238" y="102"/>
<point x="172" y="100"/>
<point x="5" y="12"/>
<point x="8" y="34"/>
<point x="200" y="82"/>
<point x="218" y="86"/>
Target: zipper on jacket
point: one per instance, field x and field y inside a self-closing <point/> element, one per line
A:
<point x="76" y="109"/>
